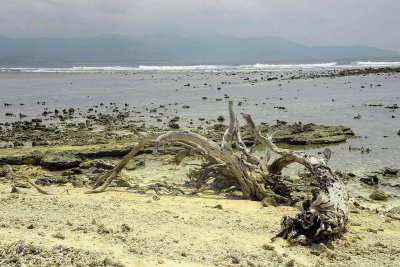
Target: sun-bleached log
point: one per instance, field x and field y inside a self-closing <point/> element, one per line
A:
<point x="233" y="166"/>
<point x="325" y="214"/>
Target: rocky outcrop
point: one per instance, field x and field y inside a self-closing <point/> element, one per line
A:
<point x="307" y="134"/>
<point x="292" y="134"/>
<point x="32" y="158"/>
<point x="59" y="161"/>
<point x="74" y="158"/>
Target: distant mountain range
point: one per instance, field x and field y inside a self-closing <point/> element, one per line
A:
<point x="169" y="49"/>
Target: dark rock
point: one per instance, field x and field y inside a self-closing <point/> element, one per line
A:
<point x="268" y="247"/>
<point x="15" y="190"/>
<point x="394" y="106"/>
<point x="102" y="164"/>
<point x="378" y="195"/>
<point x="220" y="127"/>
<point x="60" y="161"/>
<point x="387" y="171"/>
<point x="18" y="144"/>
<point x="370" y="180"/>
<point x="125" y="228"/>
<point x="77" y="170"/>
<point x="33" y="158"/>
<point x="52" y="180"/>
<point x="140" y="162"/>
<point x="235" y="259"/>
<point x="173" y="125"/>
<point x="105" y="152"/>
<point x="361" y="149"/>
<point x="221" y="118"/>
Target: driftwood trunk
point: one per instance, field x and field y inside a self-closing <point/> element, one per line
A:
<point x="232" y="165"/>
<point x="325" y="214"/>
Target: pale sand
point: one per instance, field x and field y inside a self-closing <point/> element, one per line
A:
<point x="183" y="230"/>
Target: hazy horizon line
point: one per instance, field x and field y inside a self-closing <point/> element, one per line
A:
<point x="194" y="36"/>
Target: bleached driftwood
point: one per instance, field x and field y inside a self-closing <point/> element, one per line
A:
<point x="16" y="177"/>
<point x="232" y="165"/>
<point x="325" y="213"/>
<point x="322" y="216"/>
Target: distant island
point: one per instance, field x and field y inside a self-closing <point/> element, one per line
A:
<point x="170" y="49"/>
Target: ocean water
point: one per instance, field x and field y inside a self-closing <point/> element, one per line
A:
<point x="192" y="68"/>
<point x="328" y="101"/>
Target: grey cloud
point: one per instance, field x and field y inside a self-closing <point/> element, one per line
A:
<point x="312" y="22"/>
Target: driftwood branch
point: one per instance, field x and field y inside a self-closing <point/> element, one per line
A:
<point x="232" y="166"/>
<point x="15" y="176"/>
<point x="105" y="180"/>
<point x="326" y="212"/>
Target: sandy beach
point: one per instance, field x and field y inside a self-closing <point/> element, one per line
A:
<point x="120" y="228"/>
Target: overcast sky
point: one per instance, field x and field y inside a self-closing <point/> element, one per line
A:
<point x="311" y="22"/>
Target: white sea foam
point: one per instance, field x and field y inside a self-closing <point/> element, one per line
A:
<point x="295" y="66"/>
<point x="257" y="66"/>
<point x="184" y="68"/>
<point x="195" y="68"/>
<point x="377" y="64"/>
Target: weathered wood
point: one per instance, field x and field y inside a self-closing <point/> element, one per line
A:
<point x="232" y="165"/>
<point x="105" y="180"/>
<point x="15" y="176"/>
<point x="325" y="214"/>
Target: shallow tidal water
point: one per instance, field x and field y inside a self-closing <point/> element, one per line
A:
<point x="328" y="101"/>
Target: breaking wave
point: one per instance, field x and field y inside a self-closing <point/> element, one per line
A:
<point x="378" y="64"/>
<point x="196" y="68"/>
